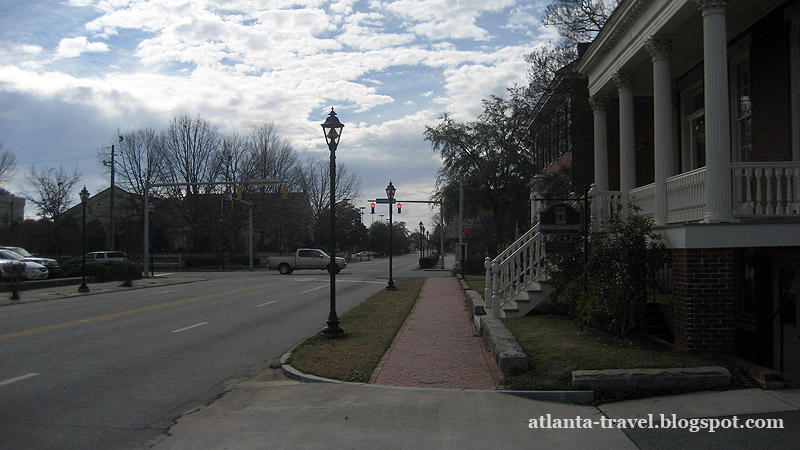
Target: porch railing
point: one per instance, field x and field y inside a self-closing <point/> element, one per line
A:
<point x="645" y="198"/>
<point x="514" y="269"/>
<point x="686" y="196"/>
<point x="604" y="205"/>
<point x="766" y="188"/>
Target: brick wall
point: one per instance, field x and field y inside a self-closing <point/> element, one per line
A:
<point x="703" y="300"/>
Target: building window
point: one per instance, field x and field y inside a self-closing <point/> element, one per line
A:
<point x="694" y="128"/>
<point x="741" y="107"/>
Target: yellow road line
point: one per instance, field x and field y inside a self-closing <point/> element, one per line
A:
<point x="132" y="311"/>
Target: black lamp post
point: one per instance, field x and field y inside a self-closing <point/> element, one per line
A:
<point x="390" y="190"/>
<point x="332" y="129"/>
<point x="84" y="199"/>
<point x="421" y="228"/>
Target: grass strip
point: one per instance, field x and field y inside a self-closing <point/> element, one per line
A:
<point x="369" y="329"/>
<point x="555" y="347"/>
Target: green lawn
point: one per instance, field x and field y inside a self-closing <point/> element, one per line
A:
<point x="369" y="329"/>
<point x="556" y="347"/>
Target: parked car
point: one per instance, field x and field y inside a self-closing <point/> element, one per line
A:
<point x="365" y="254"/>
<point x="304" y="258"/>
<point x="50" y="263"/>
<point x="33" y="271"/>
<point x="107" y="256"/>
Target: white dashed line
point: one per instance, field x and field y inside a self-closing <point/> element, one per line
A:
<point x="190" y="327"/>
<point x="20" y="378"/>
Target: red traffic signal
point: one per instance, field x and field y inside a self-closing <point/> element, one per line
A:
<point x="399" y="208"/>
<point x="373" y="208"/>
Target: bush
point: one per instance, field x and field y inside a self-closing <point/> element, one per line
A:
<point x="110" y="271"/>
<point x="428" y="261"/>
<point x="619" y="262"/>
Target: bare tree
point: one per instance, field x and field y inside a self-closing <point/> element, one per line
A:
<point x="269" y="156"/>
<point x="190" y="147"/>
<point x="139" y="159"/>
<point x="52" y="189"/>
<point x="314" y="177"/>
<point x="231" y="159"/>
<point x="8" y="163"/>
<point x="578" y="20"/>
<point x="191" y="156"/>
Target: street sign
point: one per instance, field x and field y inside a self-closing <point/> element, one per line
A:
<point x="560" y="218"/>
<point x="383" y="200"/>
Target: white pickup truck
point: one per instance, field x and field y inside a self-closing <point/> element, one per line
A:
<point x="304" y="258"/>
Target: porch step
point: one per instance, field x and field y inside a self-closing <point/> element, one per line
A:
<point x="656" y="323"/>
<point x="527" y="300"/>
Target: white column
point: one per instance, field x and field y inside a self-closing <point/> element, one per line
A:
<point x="627" y="138"/>
<point x="659" y="49"/>
<point x="717" y="112"/>
<point x="599" y="106"/>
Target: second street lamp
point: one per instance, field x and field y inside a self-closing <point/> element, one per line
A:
<point x="332" y="130"/>
<point x="84" y="199"/>
<point x="390" y="190"/>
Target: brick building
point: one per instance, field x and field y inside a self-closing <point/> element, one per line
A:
<point x="716" y="85"/>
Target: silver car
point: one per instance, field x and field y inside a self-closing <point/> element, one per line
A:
<point x="33" y="271"/>
<point x="50" y="263"/>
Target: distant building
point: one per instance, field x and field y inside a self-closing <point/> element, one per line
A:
<point x="12" y="209"/>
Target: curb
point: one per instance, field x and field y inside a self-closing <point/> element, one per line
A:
<point x="572" y="397"/>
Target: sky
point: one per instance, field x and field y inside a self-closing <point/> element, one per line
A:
<point x="73" y="72"/>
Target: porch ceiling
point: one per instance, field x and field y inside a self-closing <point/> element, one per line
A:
<point x="620" y="46"/>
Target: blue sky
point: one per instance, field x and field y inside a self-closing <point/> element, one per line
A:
<point x="73" y="72"/>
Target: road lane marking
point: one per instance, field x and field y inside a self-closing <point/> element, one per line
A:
<point x="314" y="289"/>
<point x="164" y="292"/>
<point x="265" y="304"/>
<point x="190" y="327"/>
<point x="14" y="380"/>
<point x="132" y="311"/>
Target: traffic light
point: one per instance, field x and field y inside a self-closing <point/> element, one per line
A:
<point x="399" y="208"/>
<point x="373" y="208"/>
<point x="239" y="193"/>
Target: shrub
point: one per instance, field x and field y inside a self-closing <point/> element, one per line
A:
<point x="110" y="271"/>
<point x="428" y="261"/>
<point x="620" y="260"/>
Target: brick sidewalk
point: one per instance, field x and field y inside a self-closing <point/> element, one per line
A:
<point x="438" y="346"/>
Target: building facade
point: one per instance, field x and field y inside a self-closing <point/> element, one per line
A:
<point x="719" y="171"/>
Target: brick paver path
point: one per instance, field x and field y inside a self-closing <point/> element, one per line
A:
<point x="437" y="345"/>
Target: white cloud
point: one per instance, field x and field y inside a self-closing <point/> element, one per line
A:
<point x="240" y="63"/>
<point x="74" y="47"/>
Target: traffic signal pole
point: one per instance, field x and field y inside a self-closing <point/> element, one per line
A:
<point x="429" y="202"/>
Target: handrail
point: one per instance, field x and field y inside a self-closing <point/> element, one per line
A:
<point x="514" y="269"/>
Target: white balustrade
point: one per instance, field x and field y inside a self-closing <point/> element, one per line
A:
<point x="686" y="196"/>
<point x="645" y="198"/>
<point x="514" y="269"/>
<point x="766" y="188"/>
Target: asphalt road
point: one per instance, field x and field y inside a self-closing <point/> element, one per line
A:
<point x="114" y="370"/>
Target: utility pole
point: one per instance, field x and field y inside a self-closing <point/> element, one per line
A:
<point x="111" y="198"/>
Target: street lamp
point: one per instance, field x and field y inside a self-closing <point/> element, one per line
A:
<point x="84" y="199"/>
<point x="421" y="228"/>
<point x="332" y="129"/>
<point x="390" y="190"/>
